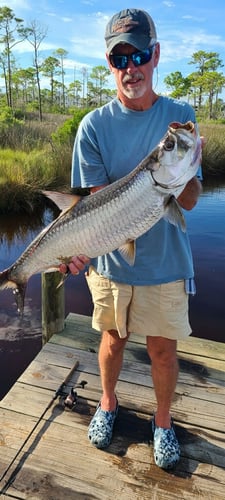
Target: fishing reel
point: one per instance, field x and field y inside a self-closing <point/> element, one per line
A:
<point x="69" y="399"/>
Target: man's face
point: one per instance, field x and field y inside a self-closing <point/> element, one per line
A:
<point x="134" y="82"/>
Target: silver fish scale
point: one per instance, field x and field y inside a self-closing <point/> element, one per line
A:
<point x="105" y="227"/>
<point x="97" y="225"/>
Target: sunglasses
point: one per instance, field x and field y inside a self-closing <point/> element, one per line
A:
<point x="137" y="58"/>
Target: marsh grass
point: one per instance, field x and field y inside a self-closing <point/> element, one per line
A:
<point x="30" y="162"/>
<point x="23" y="176"/>
<point x="213" y="154"/>
<point x="28" y="132"/>
<point x="38" y="169"/>
<point x="33" y="160"/>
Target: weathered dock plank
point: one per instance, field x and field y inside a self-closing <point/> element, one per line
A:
<point x="44" y="450"/>
<point x="71" y="466"/>
<point x="193" y="399"/>
<point x="192" y="345"/>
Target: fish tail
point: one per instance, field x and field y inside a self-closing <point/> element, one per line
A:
<point x="19" y="289"/>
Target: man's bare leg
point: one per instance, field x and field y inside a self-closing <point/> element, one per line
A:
<point x="165" y="370"/>
<point x="164" y="373"/>
<point x="110" y="363"/>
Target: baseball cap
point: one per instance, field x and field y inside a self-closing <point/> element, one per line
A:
<point x="133" y="26"/>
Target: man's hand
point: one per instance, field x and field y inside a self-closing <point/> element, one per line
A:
<point x="189" y="196"/>
<point x="76" y="265"/>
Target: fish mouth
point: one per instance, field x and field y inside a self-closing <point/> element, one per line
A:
<point x="164" y="186"/>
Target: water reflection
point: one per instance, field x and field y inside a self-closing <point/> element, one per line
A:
<point x="17" y="229"/>
<point x="20" y="341"/>
<point x="206" y="227"/>
<point x="20" y="338"/>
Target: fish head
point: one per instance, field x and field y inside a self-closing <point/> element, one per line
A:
<point x="177" y="157"/>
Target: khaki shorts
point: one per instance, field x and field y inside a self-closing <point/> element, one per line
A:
<point x="156" y="310"/>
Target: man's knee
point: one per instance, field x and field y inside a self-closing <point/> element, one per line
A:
<point x="115" y="343"/>
<point x="161" y="350"/>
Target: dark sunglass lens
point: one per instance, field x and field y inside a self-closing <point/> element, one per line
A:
<point x="119" y="62"/>
<point x="140" y="58"/>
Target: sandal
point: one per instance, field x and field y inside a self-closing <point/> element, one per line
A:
<point x="166" y="446"/>
<point x="101" y="427"/>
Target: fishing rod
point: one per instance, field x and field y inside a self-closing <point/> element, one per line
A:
<point x="69" y="399"/>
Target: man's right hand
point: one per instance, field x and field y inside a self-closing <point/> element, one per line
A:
<point x="76" y="264"/>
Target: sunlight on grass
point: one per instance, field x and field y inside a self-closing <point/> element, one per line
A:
<point x="33" y="158"/>
<point x="36" y="169"/>
<point x="213" y="156"/>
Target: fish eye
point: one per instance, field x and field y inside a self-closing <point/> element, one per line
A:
<point x="169" y="145"/>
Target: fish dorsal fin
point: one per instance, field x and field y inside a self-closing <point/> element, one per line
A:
<point x="63" y="201"/>
<point x="74" y="199"/>
<point x="174" y="214"/>
<point x="128" y="252"/>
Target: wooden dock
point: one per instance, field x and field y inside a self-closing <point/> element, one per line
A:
<point x="44" y="450"/>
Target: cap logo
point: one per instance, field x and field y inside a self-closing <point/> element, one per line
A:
<point x="124" y="25"/>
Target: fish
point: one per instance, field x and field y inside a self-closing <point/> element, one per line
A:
<point x="115" y="216"/>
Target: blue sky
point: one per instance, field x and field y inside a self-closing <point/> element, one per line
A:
<point x="78" y="26"/>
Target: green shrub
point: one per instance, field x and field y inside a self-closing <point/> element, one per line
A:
<point x="6" y="116"/>
<point x="67" y="132"/>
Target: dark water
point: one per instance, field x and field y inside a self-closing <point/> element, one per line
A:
<point x="206" y="227"/>
<point x="20" y="341"/>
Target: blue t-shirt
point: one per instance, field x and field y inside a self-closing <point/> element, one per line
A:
<point x="110" y="142"/>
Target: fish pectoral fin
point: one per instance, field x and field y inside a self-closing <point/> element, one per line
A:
<point x="128" y="252"/>
<point x="63" y="279"/>
<point x="174" y="214"/>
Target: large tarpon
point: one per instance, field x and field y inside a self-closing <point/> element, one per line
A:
<point x="115" y="216"/>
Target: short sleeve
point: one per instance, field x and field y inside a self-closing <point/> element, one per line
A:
<point x="88" y="168"/>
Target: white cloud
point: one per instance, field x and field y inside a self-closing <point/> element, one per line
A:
<point x="26" y="47"/>
<point x="16" y="4"/>
<point x="67" y="19"/>
<point x="169" y="4"/>
<point x="75" y="65"/>
<point x="88" y="40"/>
<point x="179" y="45"/>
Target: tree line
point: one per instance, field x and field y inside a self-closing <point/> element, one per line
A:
<point x="202" y="87"/>
<point x="22" y="85"/>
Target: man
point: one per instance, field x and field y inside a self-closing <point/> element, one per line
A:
<point x="148" y="298"/>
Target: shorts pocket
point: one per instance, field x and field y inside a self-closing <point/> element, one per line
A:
<point x="95" y="280"/>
